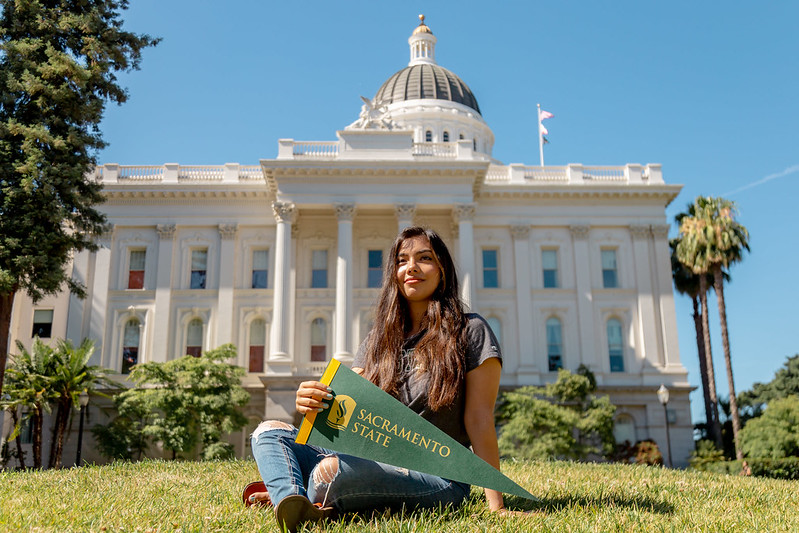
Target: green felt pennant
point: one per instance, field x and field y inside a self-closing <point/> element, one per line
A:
<point x="365" y="421"/>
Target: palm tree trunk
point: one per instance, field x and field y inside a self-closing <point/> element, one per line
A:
<point x="700" y="348"/>
<point x="20" y="453"/>
<point x="711" y="375"/>
<point x="37" y="437"/>
<point x="718" y="285"/>
<point x="59" y="428"/>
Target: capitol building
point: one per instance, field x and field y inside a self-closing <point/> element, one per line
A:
<point x="569" y="264"/>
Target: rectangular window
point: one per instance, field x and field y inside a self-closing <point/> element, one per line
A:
<point x="554" y="345"/>
<point x="610" y="274"/>
<point x="549" y="264"/>
<point x="260" y="269"/>
<point x="199" y="268"/>
<point x="257" y="345"/>
<point x="136" y="269"/>
<point x="615" y="345"/>
<point x="490" y="269"/>
<point x="42" y="323"/>
<point x="319" y="269"/>
<point x="375" y="275"/>
<point x="26" y="430"/>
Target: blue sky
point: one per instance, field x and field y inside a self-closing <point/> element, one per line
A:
<point x="709" y="90"/>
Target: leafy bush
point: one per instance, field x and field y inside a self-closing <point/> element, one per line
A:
<point x="179" y="404"/>
<point x="705" y="452"/>
<point x="648" y="453"/>
<point x="562" y="420"/>
<point x="774" y="434"/>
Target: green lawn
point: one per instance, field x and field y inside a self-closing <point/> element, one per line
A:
<point x="188" y="496"/>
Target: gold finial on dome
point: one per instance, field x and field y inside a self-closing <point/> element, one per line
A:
<point x="422" y="28"/>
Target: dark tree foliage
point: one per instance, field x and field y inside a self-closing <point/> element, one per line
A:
<point x="784" y="384"/>
<point x="58" y="65"/>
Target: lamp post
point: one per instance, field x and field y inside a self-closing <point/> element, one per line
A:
<point x="84" y="401"/>
<point x="663" y="397"/>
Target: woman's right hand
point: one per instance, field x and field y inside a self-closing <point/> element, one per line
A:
<point x="313" y="397"/>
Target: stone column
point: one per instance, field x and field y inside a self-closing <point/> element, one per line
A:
<point x="342" y="342"/>
<point x="227" y="266"/>
<point x="665" y="296"/>
<point x="464" y="215"/>
<point x="524" y="304"/>
<point x="585" y="315"/>
<point x="163" y="293"/>
<point x="76" y="313"/>
<point x="405" y="214"/>
<point x="99" y="301"/>
<point x="279" y="359"/>
<point x="647" y="321"/>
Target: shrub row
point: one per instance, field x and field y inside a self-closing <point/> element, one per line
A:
<point x="787" y="468"/>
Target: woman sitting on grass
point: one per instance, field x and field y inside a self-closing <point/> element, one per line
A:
<point x="424" y="350"/>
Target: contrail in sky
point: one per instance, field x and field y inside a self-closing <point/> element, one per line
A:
<point x="788" y="171"/>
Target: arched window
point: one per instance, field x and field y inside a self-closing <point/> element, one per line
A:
<point x="446" y="137"/>
<point x="615" y="345"/>
<point x="257" y="345"/>
<point x="319" y="340"/>
<point x="194" y="337"/>
<point x="554" y="344"/>
<point x="474" y="144"/>
<point x="496" y="327"/>
<point x="130" y="344"/>
<point x="460" y="136"/>
<point x="428" y="136"/>
<point x="624" y="429"/>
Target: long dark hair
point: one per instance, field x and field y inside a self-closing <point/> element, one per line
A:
<point x="440" y="350"/>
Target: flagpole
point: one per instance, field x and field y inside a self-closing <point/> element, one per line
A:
<point x="540" y="137"/>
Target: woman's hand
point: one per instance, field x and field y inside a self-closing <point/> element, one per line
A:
<point x="312" y="397"/>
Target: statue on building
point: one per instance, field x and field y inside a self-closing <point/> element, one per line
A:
<point x="372" y="117"/>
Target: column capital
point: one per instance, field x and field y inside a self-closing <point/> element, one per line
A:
<point x="660" y="231"/>
<point x="463" y="212"/>
<point x="520" y="231"/>
<point x="166" y="231"/>
<point x="345" y="212"/>
<point x="640" y="231"/>
<point x="228" y="231"/>
<point x="284" y="211"/>
<point x="405" y="211"/>
<point x="579" y="231"/>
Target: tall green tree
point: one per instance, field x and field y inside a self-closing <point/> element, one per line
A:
<point x="775" y="434"/>
<point x="58" y="65"/>
<point x="784" y="384"/>
<point x="711" y="241"/>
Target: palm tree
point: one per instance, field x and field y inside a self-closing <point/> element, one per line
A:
<point x="711" y="240"/>
<point x="687" y="283"/>
<point x="72" y="375"/>
<point x="28" y="389"/>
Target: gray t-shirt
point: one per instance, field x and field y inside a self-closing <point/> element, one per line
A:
<point x="482" y="345"/>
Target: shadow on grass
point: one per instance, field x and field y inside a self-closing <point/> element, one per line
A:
<point x="551" y="505"/>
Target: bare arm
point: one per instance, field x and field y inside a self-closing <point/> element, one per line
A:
<point x="482" y="386"/>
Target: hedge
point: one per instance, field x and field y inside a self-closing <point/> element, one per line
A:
<point x="787" y="468"/>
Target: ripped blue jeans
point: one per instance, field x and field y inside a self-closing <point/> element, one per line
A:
<point x="345" y="482"/>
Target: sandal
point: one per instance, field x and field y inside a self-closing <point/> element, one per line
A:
<point x="295" y="509"/>
<point x="252" y="488"/>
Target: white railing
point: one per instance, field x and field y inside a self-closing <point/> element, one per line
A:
<point x="316" y="149"/>
<point x="201" y="173"/>
<point x="497" y="173"/>
<point x="435" y="149"/>
<point x="141" y="173"/>
<point x="546" y="174"/>
<point x="604" y="173"/>
<point x="250" y="172"/>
